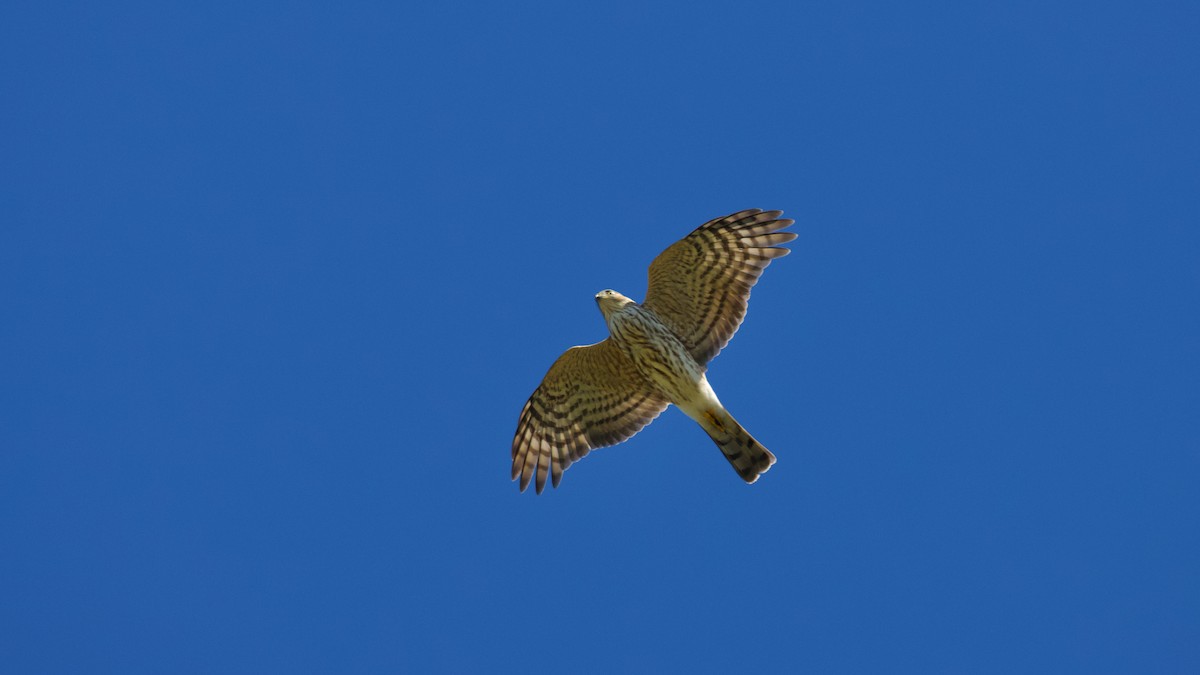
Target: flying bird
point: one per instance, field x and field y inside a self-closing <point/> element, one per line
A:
<point x="656" y="354"/>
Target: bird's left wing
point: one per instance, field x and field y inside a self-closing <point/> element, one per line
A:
<point x="593" y="396"/>
<point x="700" y="285"/>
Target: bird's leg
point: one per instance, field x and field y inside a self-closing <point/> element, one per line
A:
<point x="714" y="420"/>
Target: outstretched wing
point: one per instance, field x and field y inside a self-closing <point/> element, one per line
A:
<point x="593" y="396"/>
<point x="700" y="285"/>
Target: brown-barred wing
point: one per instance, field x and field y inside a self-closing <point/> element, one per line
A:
<point x="593" y="396"/>
<point x="700" y="285"/>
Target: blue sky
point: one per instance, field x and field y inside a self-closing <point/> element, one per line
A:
<point x="277" y="281"/>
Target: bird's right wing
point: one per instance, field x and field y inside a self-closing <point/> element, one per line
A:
<point x="593" y="396"/>
<point x="700" y="285"/>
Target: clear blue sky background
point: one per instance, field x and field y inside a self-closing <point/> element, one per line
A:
<point x="276" y="281"/>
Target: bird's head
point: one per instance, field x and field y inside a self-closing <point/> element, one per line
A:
<point x="611" y="301"/>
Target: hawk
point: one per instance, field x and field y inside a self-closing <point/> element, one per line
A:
<point x="656" y="354"/>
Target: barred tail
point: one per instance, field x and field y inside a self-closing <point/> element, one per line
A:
<point x="748" y="457"/>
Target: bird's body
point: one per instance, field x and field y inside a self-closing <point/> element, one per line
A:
<point x="656" y="354"/>
<point x="665" y="363"/>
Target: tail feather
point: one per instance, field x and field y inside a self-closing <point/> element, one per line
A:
<point x="748" y="457"/>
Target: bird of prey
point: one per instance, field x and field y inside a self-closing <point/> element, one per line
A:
<point x="656" y="354"/>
